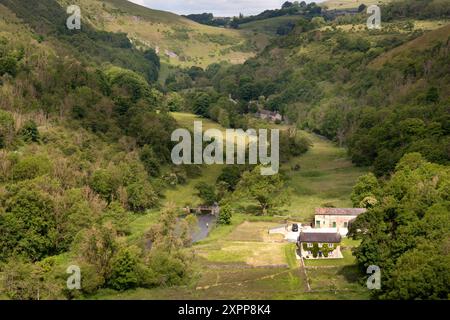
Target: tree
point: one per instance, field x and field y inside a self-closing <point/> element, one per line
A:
<point x="104" y="184"/>
<point x="7" y="128"/>
<point x="126" y="270"/>
<point x="20" y="281"/>
<point x="231" y="176"/>
<point x="31" y="167"/>
<point x="406" y="234"/>
<point x="150" y="161"/>
<point x="29" y="132"/>
<point x="8" y="64"/>
<point x="206" y="192"/>
<point x="28" y="227"/>
<point x="432" y="95"/>
<point x="268" y="191"/>
<point x="141" y="196"/>
<point x="98" y="247"/>
<point x="175" y="101"/>
<point x="225" y="215"/>
<point x="366" y="186"/>
<point x="201" y="104"/>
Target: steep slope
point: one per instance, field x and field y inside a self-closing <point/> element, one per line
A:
<point x="178" y="40"/>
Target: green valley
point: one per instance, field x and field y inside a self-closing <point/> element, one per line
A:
<point x="95" y="206"/>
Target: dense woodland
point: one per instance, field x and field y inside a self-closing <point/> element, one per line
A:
<point x="85" y="145"/>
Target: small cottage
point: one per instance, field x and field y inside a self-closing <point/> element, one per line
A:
<point x="316" y="244"/>
<point x="269" y="115"/>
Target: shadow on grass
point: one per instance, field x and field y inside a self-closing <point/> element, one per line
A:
<point x="351" y="273"/>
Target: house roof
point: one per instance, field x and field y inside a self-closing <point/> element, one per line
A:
<point x="269" y="113"/>
<point x="340" y="211"/>
<point x="324" y="237"/>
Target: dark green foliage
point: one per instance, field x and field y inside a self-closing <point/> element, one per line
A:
<point x="7" y="128"/>
<point x="125" y="273"/>
<point x="325" y="249"/>
<point x="407" y="229"/>
<point x="366" y="186"/>
<point x="29" y="132"/>
<point x="31" y="167"/>
<point x="231" y="176"/>
<point x="48" y="18"/>
<point x="417" y="9"/>
<point x="292" y="144"/>
<point x="207" y="193"/>
<point x="201" y="104"/>
<point x="141" y="196"/>
<point x="267" y="191"/>
<point x="225" y="215"/>
<point x="8" y="64"/>
<point x="103" y="182"/>
<point x="150" y="161"/>
<point x="167" y="269"/>
<point x="28" y="226"/>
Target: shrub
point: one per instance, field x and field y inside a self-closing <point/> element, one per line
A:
<point x="225" y="215"/>
<point x="141" y="196"/>
<point x="31" y="167"/>
<point x="30" y="132"/>
<point x="125" y="272"/>
<point x="104" y="184"/>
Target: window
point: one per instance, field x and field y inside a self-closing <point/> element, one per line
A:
<point x="310" y="245"/>
<point x="331" y="245"/>
<point x="345" y="224"/>
<point x="334" y="224"/>
<point x="318" y="224"/>
<point x="320" y="245"/>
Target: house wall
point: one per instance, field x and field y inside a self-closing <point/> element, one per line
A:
<point x="338" y="221"/>
<point x="335" y="254"/>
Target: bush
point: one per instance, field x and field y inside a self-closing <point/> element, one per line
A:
<point x="225" y="215"/>
<point x="167" y="269"/>
<point x="141" y="196"/>
<point x="206" y="192"/>
<point x="28" y="226"/>
<point x="104" y="184"/>
<point x="150" y="161"/>
<point x="30" y="132"/>
<point x="125" y="272"/>
<point x="31" y="167"/>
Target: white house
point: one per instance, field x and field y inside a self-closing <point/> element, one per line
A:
<point x="336" y="218"/>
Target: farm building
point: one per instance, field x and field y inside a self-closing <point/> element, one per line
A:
<point x="336" y="218"/>
<point x="269" y="115"/>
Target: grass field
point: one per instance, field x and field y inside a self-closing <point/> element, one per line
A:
<point x="326" y="177"/>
